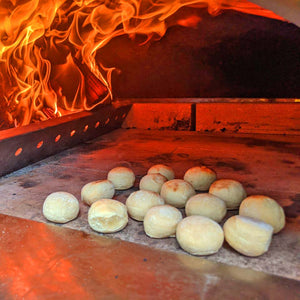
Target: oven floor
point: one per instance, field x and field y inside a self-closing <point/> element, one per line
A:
<point x="267" y="165"/>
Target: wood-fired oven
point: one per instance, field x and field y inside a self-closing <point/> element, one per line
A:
<point x="90" y="85"/>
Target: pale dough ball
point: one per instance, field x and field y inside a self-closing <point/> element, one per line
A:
<point x="176" y="192"/>
<point x="265" y="209"/>
<point x="161" y="221"/>
<point x="60" y="207"/>
<point x="139" y="202"/>
<point x="152" y="182"/>
<point x="107" y="216"/>
<point x="206" y="205"/>
<point x="230" y="191"/>
<point x="163" y="170"/>
<point x="248" y="236"/>
<point x="199" y="235"/>
<point x="121" y="177"/>
<point x="200" y="177"/>
<point x="96" y="190"/>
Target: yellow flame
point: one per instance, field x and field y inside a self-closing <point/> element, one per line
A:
<point x="43" y="42"/>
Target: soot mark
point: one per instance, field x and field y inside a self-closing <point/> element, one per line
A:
<point x="177" y="139"/>
<point x="137" y="164"/>
<point x="288" y="162"/>
<point x="28" y="184"/>
<point x="166" y="157"/>
<point x="232" y="164"/>
<point x="183" y="155"/>
<point x="250" y="185"/>
<point x="183" y="124"/>
<point x="64" y="176"/>
<point x="277" y="146"/>
<point x="293" y="210"/>
<point x="161" y="158"/>
<point x="259" y="142"/>
<point x="84" y="235"/>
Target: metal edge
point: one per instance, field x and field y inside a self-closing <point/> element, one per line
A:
<point x="38" y="141"/>
<point x="43" y="261"/>
<point x="123" y="101"/>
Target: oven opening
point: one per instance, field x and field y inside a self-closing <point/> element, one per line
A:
<point x="90" y="86"/>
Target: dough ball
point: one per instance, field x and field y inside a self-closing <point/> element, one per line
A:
<point x="176" y="192"/>
<point x="265" y="209"/>
<point x="139" y="202"/>
<point x="96" y="190"/>
<point x="152" y="182"/>
<point x="206" y="205"/>
<point x="199" y="235"/>
<point x="231" y="191"/>
<point x="248" y="236"/>
<point x="200" y="177"/>
<point x="163" y="170"/>
<point x="107" y="216"/>
<point x="161" y="221"/>
<point x="121" y="177"/>
<point x="60" y="207"/>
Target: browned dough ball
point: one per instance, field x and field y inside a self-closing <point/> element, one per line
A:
<point x="121" y="177"/>
<point x="176" y="192"/>
<point x="265" y="209"/>
<point x="206" y="205"/>
<point x="200" y="177"/>
<point x="152" y="182"/>
<point x="139" y="202"/>
<point x="163" y="170"/>
<point x="161" y="221"/>
<point x="230" y="191"/>
<point x="96" y="190"/>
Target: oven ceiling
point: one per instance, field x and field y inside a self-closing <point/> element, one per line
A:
<point x="288" y="9"/>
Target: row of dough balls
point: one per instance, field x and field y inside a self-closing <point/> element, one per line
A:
<point x="62" y="207"/>
<point x="249" y="234"/>
<point x="197" y="235"/>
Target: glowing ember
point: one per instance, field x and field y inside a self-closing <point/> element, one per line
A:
<point x="48" y="49"/>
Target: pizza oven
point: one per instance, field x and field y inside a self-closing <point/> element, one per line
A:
<point x="90" y="85"/>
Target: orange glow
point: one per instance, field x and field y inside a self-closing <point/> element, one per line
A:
<point x="26" y="269"/>
<point x="57" y="138"/>
<point x="18" y="152"/>
<point x="40" y="144"/>
<point x="48" y="48"/>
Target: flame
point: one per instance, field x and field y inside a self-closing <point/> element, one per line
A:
<point x="48" y="49"/>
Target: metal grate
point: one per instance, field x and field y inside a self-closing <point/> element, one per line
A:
<point x="22" y="146"/>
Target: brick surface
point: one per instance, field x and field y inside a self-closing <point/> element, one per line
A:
<point x="177" y="116"/>
<point x="268" y="118"/>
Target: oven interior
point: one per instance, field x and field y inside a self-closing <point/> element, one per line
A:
<point x="219" y="91"/>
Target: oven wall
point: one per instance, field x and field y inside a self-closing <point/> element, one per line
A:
<point x="229" y="55"/>
<point x="221" y="116"/>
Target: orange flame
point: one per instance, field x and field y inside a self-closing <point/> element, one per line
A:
<point x="48" y="48"/>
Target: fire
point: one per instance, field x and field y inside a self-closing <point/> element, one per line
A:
<point x="48" y="49"/>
